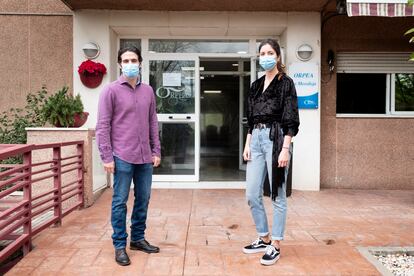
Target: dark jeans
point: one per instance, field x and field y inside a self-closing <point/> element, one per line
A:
<point x="141" y="174"/>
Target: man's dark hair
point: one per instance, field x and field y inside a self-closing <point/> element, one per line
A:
<point x="129" y="49"/>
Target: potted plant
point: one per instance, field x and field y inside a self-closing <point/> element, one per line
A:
<point x="64" y="110"/>
<point x="91" y="73"/>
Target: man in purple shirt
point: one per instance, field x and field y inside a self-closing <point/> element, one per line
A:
<point x="127" y="137"/>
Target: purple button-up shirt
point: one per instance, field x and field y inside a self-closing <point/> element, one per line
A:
<point x="127" y="124"/>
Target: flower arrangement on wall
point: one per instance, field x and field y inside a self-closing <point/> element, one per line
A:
<point x="91" y="73"/>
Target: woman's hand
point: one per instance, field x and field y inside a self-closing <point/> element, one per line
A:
<point x="246" y="153"/>
<point x="283" y="158"/>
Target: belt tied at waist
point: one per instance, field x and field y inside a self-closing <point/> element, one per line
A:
<point x="262" y="125"/>
<point x="278" y="174"/>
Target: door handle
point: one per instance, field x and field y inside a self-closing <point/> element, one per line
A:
<point x="179" y="118"/>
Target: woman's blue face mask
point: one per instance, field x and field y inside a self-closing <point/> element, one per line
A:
<point x="267" y="62"/>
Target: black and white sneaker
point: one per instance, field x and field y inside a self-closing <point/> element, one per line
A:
<point x="271" y="256"/>
<point x="257" y="246"/>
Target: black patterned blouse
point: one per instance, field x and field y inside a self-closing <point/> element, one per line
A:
<point x="278" y="103"/>
<point x="278" y="107"/>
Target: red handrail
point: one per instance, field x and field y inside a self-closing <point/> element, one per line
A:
<point x="16" y="216"/>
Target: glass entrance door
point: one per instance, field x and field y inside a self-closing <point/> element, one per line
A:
<point x="223" y="85"/>
<point x="255" y="72"/>
<point x="176" y="86"/>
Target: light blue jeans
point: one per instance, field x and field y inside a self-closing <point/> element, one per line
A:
<point x="261" y="162"/>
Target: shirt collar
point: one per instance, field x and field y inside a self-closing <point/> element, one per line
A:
<point x="123" y="80"/>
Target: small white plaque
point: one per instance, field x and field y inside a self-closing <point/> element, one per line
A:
<point x="171" y="79"/>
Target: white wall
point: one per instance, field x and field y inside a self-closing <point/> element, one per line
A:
<point x="91" y="27"/>
<point x="104" y="27"/>
<point x="305" y="28"/>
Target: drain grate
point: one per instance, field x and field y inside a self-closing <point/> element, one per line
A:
<point x="390" y="261"/>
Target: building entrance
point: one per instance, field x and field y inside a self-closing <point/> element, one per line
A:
<point x="223" y="86"/>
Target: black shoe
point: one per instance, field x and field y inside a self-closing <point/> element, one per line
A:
<point x="121" y="257"/>
<point x="143" y="245"/>
<point x="271" y="256"/>
<point x="257" y="246"/>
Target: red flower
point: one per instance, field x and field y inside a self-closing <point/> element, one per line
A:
<point x="91" y="67"/>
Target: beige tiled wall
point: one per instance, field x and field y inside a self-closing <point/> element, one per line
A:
<point x="35" y="50"/>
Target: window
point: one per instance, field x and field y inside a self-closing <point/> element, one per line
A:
<point x="375" y="83"/>
<point x="174" y="85"/>
<point x="379" y="93"/>
<point x="403" y="99"/>
<point x="198" y="46"/>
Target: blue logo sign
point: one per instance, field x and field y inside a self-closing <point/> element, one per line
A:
<point x="310" y="101"/>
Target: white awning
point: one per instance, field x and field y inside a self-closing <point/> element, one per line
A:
<point x="390" y="8"/>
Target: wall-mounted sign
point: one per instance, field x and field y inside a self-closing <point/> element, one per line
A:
<point x="306" y="78"/>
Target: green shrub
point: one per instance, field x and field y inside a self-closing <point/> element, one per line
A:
<point x="60" y="108"/>
<point x="14" y="121"/>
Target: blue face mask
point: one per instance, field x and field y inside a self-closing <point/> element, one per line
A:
<point x="130" y="70"/>
<point x="267" y="62"/>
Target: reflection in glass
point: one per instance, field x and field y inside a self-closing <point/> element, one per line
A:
<point x="198" y="46"/>
<point x="225" y="65"/>
<point x="219" y="121"/>
<point x="404" y="92"/>
<point x="219" y="128"/>
<point x="130" y="42"/>
<point x="177" y="149"/>
<point x="173" y="83"/>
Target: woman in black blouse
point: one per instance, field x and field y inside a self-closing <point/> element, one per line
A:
<point x="273" y="120"/>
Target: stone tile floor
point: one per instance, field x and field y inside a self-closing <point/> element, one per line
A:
<point x="202" y="232"/>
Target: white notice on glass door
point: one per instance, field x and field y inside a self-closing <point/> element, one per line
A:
<point x="171" y="79"/>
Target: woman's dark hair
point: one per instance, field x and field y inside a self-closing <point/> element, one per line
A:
<point x="275" y="45"/>
<point x="129" y="49"/>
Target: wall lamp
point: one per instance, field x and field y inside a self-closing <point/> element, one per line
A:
<point x="304" y="52"/>
<point x="91" y="50"/>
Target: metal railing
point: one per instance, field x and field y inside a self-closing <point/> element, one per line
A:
<point x="51" y="203"/>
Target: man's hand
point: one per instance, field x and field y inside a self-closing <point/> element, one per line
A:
<point x="156" y="161"/>
<point x="109" y="167"/>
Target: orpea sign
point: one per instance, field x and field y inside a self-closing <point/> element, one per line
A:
<point x="306" y="78"/>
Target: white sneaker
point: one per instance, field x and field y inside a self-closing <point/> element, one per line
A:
<point x="257" y="246"/>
